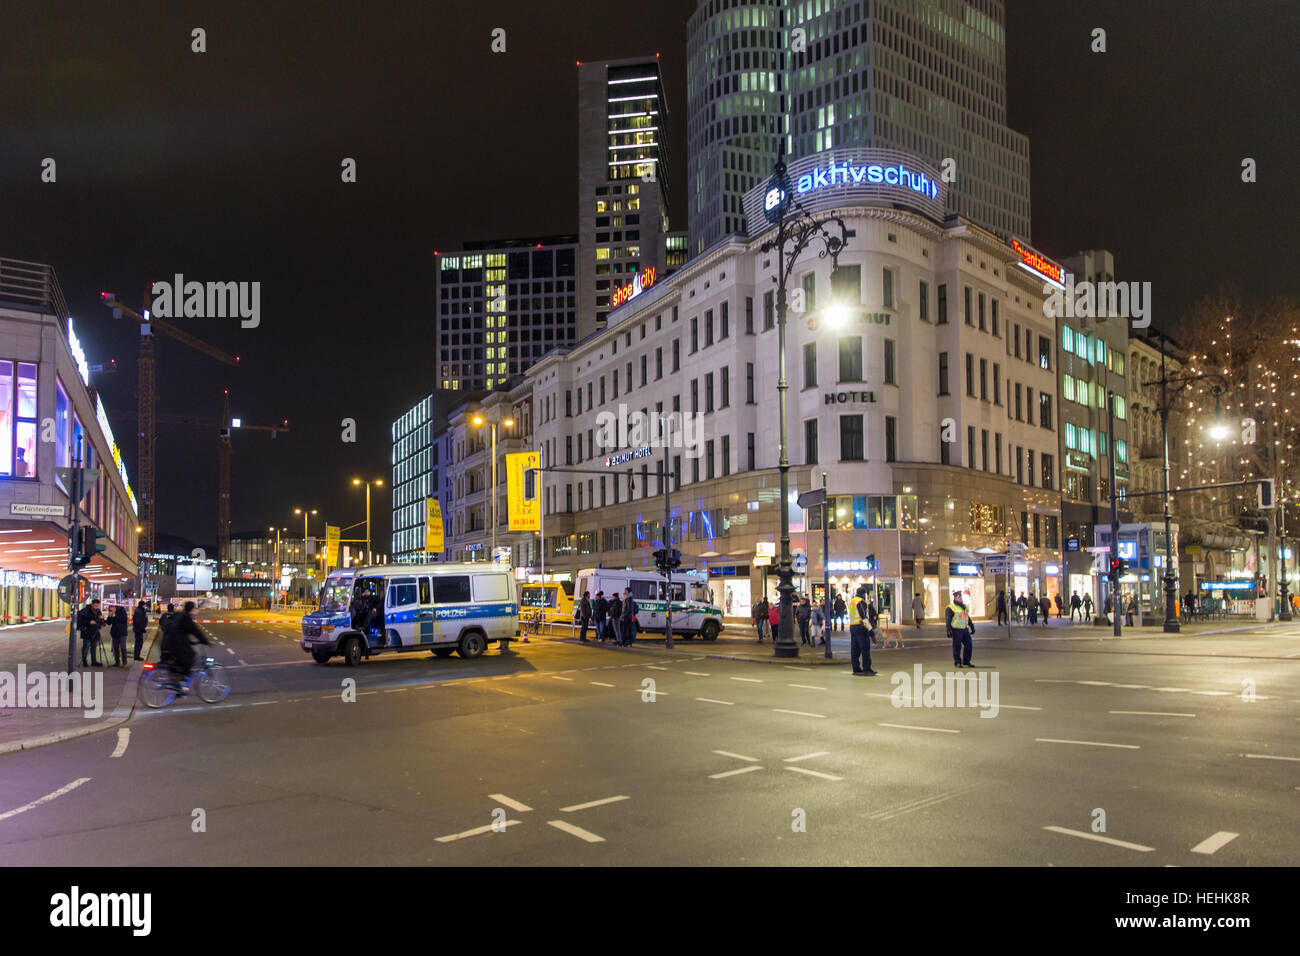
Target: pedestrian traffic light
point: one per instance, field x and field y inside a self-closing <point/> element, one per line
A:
<point x="88" y="545"/>
<point x="668" y="559"/>
<point x="1116" y="570"/>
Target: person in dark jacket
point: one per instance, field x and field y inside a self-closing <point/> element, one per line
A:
<point x="873" y="617"/>
<point x="628" y="617"/>
<point x="118" y="633"/>
<point x="760" y="619"/>
<point x="840" y="609"/>
<point x="139" y="624"/>
<point x="89" y="621"/>
<point x="584" y="615"/>
<point x="600" y="614"/>
<point x="1002" y="607"/>
<point x="176" y="647"/>
<point x="616" y="618"/>
<point x="803" y="615"/>
<point x="376" y="619"/>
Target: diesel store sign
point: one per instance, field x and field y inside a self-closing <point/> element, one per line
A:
<point x="849" y="398"/>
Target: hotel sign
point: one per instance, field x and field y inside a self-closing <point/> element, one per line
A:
<point x="845" y="398"/>
<point x="640" y="282"/>
<point x="1038" y="265"/>
<point x="613" y="461"/>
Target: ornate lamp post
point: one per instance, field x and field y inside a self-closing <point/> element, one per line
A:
<point x="795" y="229"/>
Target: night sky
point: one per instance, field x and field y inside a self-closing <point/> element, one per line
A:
<point x="225" y="165"/>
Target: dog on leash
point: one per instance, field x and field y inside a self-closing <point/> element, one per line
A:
<point x="890" y="632"/>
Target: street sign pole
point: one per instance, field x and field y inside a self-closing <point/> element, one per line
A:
<point x="74" y="495"/>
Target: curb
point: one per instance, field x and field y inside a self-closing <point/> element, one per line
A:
<point x="120" y="714"/>
<point x="656" y="647"/>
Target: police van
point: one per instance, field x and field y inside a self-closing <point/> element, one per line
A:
<point x="422" y="607"/>
<point x="694" y="609"/>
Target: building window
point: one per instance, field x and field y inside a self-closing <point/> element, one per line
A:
<point x="846" y="285"/>
<point x="887" y="288"/>
<point x="1045" y="411"/>
<point x="726" y="386"/>
<point x="659" y="370"/>
<point x="970" y="446"/>
<point x="810" y="365"/>
<point x="970" y="374"/>
<point x="997" y="384"/>
<point x="983" y="327"/>
<point x="749" y="315"/>
<point x="1018" y="405"/>
<point x="708" y="328"/>
<point x="891" y="438"/>
<point x="941" y="306"/>
<point x="695" y="334"/>
<point x="1029" y="469"/>
<point x="749" y="451"/>
<point x="708" y="459"/>
<point x="643" y="370"/>
<point x="943" y="373"/>
<point x="708" y="392"/>
<point x="945" y="455"/>
<point x="851" y="445"/>
<point x="966" y="295"/>
<point x="695" y="396"/>
<point x="997" y="452"/>
<point x="925" y="302"/>
<point x="810" y="442"/>
<point x="1045" y="352"/>
<point x="984" y="379"/>
<point x="1049" y="471"/>
<point x="724" y="322"/>
<point x="850" y="358"/>
<point x="749" y="382"/>
<point x="769" y="311"/>
<point x="889" y="362"/>
<point x="809" y="285"/>
<point x="18" y="444"/>
<point x="994" y="305"/>
<point x="677" y="360"/>
<point x="984" y="449"/>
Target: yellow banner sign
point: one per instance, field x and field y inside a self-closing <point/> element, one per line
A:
<point x="523" y="503"/>
<point x="433" y="540"/>
<point x="331" y="546"/>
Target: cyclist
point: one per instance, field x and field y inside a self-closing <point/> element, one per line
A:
<point x="176" y="649"/>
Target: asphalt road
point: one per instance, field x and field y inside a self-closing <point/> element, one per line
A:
<point x="602" y="756"/>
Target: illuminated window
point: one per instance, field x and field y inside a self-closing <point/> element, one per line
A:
<point x="602" y="252"/>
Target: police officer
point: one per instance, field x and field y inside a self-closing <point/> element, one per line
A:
<point x="961" y="628"/>
<point x="860" y="635"/>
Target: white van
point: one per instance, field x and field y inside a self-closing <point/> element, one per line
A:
<point x="694" y="609"/>
<point x="424" y="607"/>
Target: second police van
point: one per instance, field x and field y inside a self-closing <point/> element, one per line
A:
<point x="424" y="607"/>
<point x="694" y="609"/>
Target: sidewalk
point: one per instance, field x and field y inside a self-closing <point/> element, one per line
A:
<point x="42" y="649"/>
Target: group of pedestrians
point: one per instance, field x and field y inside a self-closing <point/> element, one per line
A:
<point x="815" y="622"/>
<point x="91" y="620"/>
<point x="614" y="620"/>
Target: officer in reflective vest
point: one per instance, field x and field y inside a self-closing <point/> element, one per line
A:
<point x="860" y="635"/>
<point x="961" y="627"/>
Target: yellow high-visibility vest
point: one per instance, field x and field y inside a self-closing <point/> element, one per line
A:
<point x="860" y="607"/>
<point x="960" y="617"/>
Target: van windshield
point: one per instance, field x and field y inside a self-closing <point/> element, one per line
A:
<point x="336" y="595"/>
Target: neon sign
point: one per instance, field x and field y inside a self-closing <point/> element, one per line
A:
<point x="614" y="461"/>
<point x="78" y="354"/>
<point x="845" y="173"/>
<point x="1036" y="264"/>
<point x="640" y="282"/>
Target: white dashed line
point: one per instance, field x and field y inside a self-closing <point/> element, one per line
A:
<point x="797" y="713"/>
<point x="600" y="683"/>
<point x="123" y="738"/>
<point x="594" y="803"/>
<point x="1149" y="713"/>
<point x="695" y="673"/>
<point x="512" y="804"/>
<point x="813" y="773"/>
<point x="728" y="753"/>
<point x="819" y="753"/>
<point x="45" y="799"/>
<point x="937" y="730"/>
<point x="1086" y="743"/>
<point x="1101" y="839"/>
<point x="579" y="832"/>
<point x="395" y="690"/>
<point x="732" y="773"/>
<point x="806" y="686"/>
<point x="558" y="677"/>
<point x="655" y="667"/>
<point x="710" y="700"/>
<point x="748" y="680"/>
<point x="263" y="703"/>
<point x="1217" y="842"/>
<point x="1270" y="757"/>
<point x="489" y="828"/>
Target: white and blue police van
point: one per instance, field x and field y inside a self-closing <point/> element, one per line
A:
<point x="694" y="610"/>
<point x="436" y="608"/>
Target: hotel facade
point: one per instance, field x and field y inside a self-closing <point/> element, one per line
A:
<point x="930" y="413"/>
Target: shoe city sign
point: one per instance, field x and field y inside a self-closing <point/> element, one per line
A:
<point x="640" y="282"/>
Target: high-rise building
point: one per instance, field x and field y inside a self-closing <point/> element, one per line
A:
<point x="924" y="76"/>
<point x="503" y="304"/>
<point x="622" y="183"/>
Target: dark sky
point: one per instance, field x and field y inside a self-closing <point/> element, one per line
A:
<point x="225" y="166"/>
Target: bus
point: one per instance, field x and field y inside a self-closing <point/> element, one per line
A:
<point x="556" y="606"/>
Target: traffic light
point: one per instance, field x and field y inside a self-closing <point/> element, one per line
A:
<point x="88" y="545"/>
<point x="668" y="559"/>
<point x="1117" y="569"/>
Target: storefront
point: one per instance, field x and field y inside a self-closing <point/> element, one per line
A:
<point x="968" y="581"/>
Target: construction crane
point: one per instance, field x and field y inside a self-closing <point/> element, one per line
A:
<point x="147" y="419"/>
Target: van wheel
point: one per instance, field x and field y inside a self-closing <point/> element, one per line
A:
<point x="352" y="652"/>
<point x="443" y="651"/>
<point x="472" y="644"/>
<point x="710" y="630"/>
<point x="320" y="657"/>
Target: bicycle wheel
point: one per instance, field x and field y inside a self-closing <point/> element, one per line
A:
<point x="157" y="689"/>
<point x="213" y="684"/>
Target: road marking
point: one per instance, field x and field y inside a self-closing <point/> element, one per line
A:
<point x="1216" y="842"/>
<point x="1150" y="713"/>
<point x="601" y="683"/>
<point x="263" y="703"/>
<point x="123" y="738"/>
<point x="710" y="700"/>
<point x="728" y="753"/>
<point x="655" y="667"/>
<point x="579" y="832"/>
<point x="505" y="677"/>
<point x="797" y="713"/>
<point x="732" y="773"/>
<point x="1086" y="743"/>
<point x="806" y="670"/>
<point x="806" y="686"/>
<point x="1101" y="839"/>
<point x="45" y="799"/>
<point x="489" y="828"/>
<point x="937" y="730"/>
<point x="395" y="690"/>
<point x="294" y="700"/>
<point x="819" y="753"/>
<point x="230" y="651"/>
<point x="594" y="803"/>
<point x="1269" y="757"/>
<point x="558" y="677"/>
<point x="242" y="662"/>
<point x="921" y="803"/>
<point x="512" y="804"/>
<point x="365" y="692"/>
<point x="748" y="680"/>
<point x="328" y="697"/>
<point x="695" y="673"/>
<point x="813" y="773"/>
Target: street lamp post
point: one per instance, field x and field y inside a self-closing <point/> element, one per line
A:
<point x="304" y="512"/>
<point x="795" y="228"/>
<point x="1171" y="579"/>
<point x="478" y="421"/>
<point x="370" y="554"/>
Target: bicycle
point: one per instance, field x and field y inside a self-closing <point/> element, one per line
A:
<point x="533" y="622"/>
<point x="159" y="686"/>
